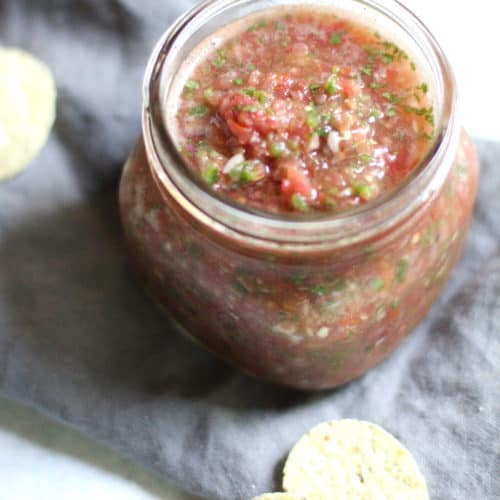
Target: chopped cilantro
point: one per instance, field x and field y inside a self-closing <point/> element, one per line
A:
<point x="319" y="290"/>
<point x="402" y="270"/>
<point x="377" y="284"/>
<point x="250" y="108"/>
<point x="199" y="110"/>
<point x="238" y="81"/>
<point x="336" y="38"/>
<point x="314" y="86"/>
<point x="427" y="113"/>
<point x="390" y="97"/>
<point x="364" y="191"/>
<point x="251" y="67"/>
<point x="331" y="85"/>
<point x="390" y="111"/>
<point x="220" y="60"/>
<point x="261" y="23"/>
<point x="297" y="279"/>
<point x="387" y="58"/>
<point x="277" y="149"/>
<point x="246" y="171"/>
<point x="367" y="70"/>
<point x="313" y="117"/>
<point x="423" y="87"/>
<point x="191" y="85"/>
<point x="210" y="174"/>
<point x="299" y="202"/>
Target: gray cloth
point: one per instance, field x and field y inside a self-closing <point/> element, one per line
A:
<point x="80" y="341"/>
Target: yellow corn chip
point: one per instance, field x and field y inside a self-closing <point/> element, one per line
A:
<point x="27" y="109"/>
<point x="351" y="459"/>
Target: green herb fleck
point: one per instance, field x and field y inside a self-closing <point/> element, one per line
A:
<point x="402" y="270"/>
<point x="423" y="87"/>
<point x="192" y="85"/>
<point x="199" y="110"/>
<point x="299" y="202"/>
<point x="331" y="85"/>
<point x="238" y="81"/>
<point x="390" y="97"/>
<point x="262" y="23"/>
<point x="387" y="58"/>
<point x="313" y="117"/>
<point x="247" y="171"/>
<point x="377" y="284"/>
<point x="314" y="87"/>
<point x="390" y="111"/>
<point x="276" y="149"/>
<point x="297" y="279"/>
<point x="336" y="38"/>
<point x="319" y="290"/>
<point x="375" y="112"/>
<point x="220" y="60"/>
<point x="250" y="108"/>
<point x="251" y="67"/>
<point x="427" y="113"/>
<point x="364" y="191"/>
<point x="210" y="174"/>
<point x="367" y="70"/>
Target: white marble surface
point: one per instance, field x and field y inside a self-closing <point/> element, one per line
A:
<point x="44" y="460"/>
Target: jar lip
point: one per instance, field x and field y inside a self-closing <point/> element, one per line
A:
<point x="335" y="229"/>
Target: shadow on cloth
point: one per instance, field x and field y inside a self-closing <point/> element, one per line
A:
<point x="71" y="294"/>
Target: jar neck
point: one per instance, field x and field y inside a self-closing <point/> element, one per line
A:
<point x="267" y="231"/>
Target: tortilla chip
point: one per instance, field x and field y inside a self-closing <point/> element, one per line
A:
<point x="351" y="459"/>
<point x="27" y="109"/>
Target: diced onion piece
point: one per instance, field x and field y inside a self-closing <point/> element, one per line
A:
<point x="333" y="141"/>
<point x="313" y="143"/>
<point x="233" y="162"/>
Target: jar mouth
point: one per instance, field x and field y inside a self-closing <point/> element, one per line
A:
<point x="274" y="230"/>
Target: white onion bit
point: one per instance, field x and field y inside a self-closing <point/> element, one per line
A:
<point x="233" y="162"/>
<point x="314" y="143"/>
<point x="334" y="141"/>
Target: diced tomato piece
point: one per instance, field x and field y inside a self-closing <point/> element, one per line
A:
<point x="350" y="87"/>
<point x="294" y="179"/>
<point x="243" y="134"/>
<point x="279" y="84"/>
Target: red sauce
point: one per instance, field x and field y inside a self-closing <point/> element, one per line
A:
<point x="301" y="319"/>
<point x="304" y="111"/>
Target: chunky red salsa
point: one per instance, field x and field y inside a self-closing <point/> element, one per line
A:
<point x="299" y="112"/>
<point x="304" y="111"/>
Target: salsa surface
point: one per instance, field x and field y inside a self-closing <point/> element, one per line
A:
<point x="304" y="112"/>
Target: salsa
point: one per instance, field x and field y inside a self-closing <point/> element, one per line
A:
<point x="289" y="113"/>
<point x="304" y="111"/>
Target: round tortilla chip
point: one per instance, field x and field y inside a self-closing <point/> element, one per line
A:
<point x="27" y="109"/>
<point x="278" y="496"/>
<point x="351" y="459"/>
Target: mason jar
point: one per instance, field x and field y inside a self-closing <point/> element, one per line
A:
<point x="307" y="303"/>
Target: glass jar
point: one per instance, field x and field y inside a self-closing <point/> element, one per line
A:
<point x="314" y="303"/>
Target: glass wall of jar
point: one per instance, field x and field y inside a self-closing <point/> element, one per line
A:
<point x="309" y="302"/>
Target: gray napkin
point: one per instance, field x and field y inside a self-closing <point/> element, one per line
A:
<point x="81" y="342"/>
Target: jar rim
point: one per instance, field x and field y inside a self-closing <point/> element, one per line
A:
<point x="326" y="230"/>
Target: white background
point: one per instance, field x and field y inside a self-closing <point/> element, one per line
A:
<point x="39" y="459"/>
